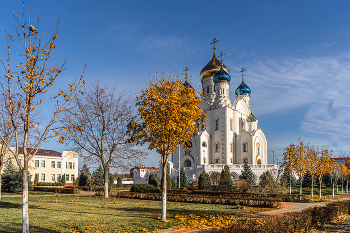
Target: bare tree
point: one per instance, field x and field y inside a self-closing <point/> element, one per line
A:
<point x="100" y="130"/>
<point x="27" y="86"/>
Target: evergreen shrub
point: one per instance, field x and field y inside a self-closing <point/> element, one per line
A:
<point x="144" y="188"/>
<point x="153" y="180"/>
<point x="36" y="179"/>
<point x="119" y="182"/>
<point x="11" y="180"/>
<point x="204" y="181"/>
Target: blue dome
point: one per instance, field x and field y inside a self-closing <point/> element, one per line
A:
<point x="243" y="89"/>
<point x="221" y="76"/>
<point x="251" y="118"/>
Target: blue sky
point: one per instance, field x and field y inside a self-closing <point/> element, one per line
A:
<point x="297" y="55"/>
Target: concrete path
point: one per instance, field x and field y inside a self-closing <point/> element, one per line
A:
<point x="286" y="207"/>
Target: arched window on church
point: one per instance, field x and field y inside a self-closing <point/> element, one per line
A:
<point x="217" y="160"/>
<point x="231" y="147"/>
<point x="245" y="160"/>
<point x="257" y="149"/>
<point x="259" y="162"/>
<point x="231" y="122"/>
<point x="217" y="124"/>
<point x="245" y="146"/>
<point x="204" y="144"/>
<point x="207" y="89"/>
<point x="188" y="144"/>
<point x="217" y="147"/>
<point x="187" y="163"/>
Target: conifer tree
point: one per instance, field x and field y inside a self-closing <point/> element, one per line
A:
<point x="85" y="176"/>
<point x="204" y="181"/>
<point x="119" y="182"/>
<point x="99" y="179"/>
<point x="12" y="179"/>
<point x="153" y="180"/>
<point x="63" y="181"/>
<point x="225" y="179"/>
<point x="247" y="174"/>
<point x="36" y="179"/>
<point x="183" y="178"/>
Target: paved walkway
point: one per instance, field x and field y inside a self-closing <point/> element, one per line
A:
<point x="286" y="207"/>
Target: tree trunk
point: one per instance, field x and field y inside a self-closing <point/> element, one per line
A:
<point x="164" y="188"/>
<point x="332" y="188"/>
<point x="347" y="186"/>
<point x="300" y="189"/>
<point x="290" y="187"/>
<point x="106" y="182"/>
<point x="312" y="186"/>
<point x="342" y="185"/>
<point x="25" y="211"/>
<point x="320" y="190"/>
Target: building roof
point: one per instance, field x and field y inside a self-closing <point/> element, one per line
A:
<point x="41" y="152"/>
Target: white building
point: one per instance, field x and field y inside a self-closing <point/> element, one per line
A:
<point x="231" y="135"/>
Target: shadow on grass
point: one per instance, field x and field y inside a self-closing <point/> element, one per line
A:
<point x="10" y="205"/>
<point x="31" y="228"/>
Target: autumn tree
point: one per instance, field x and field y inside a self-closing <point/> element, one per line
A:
<point x="344" y="173"/>
<point x="27" y="86"/>
<point x="169" y="112"/>
<point x="295" y="159"/>
<point x="311" y="161"/>
<point x="322" y="167"/>
<point x="99" y="128"/>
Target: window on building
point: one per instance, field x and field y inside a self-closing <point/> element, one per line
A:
<point x="66" y="165"/>
<point x="245" y="160"/>
<point x="231" y="147"/>
<point x="231" y="122"/>
<point x="42" y="177"/>
<point x="217" y="160"/>
<point x="42" y="163"/>
<point x="217" y="148"/>
<point x="67" y="177"/>
<point x="72" y="177"/>
<point x="59" y="177"/>
<point x="37" y="175"/>
<point x="204" y="144"/>
<point x="58" y="164"/>
<point x="216" y="124"/>
<point x="36" y="163"/>
<point x="245" y="147"/>
<point x="207" y="89"/>
<point x="188" y="144"/>
<point x="52" y="177"/>
<point x="258" y="149"/>
<point x="259" y="161"/>
<point x="187" y="163"/>
<point x="70" y="166"/>
<point x="53" y="164"/>
<point x="73" y="165"/>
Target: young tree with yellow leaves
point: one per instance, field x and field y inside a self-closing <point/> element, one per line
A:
<point x="296" y="160"/>
<point x="288" y="155"/>
<point x="28" y="86"/>
<point x="323" y="166"/>
<point x="312" y="157"/>
<point x="169" y="112"/>
<point x="344" y="173"/>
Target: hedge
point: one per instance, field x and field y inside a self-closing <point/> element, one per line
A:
<point x="202" y="199"/>
<point x="292" y="222"/>
<point x="284" y="197"/>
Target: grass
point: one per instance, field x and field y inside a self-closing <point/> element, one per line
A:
<point x="30" y="193"/>
<point x="95" y="214"/>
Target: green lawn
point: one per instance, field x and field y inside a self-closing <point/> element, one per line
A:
<point x="94" y="214"/>
<point x="30" y="193"/>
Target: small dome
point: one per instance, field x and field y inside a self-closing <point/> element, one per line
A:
<point x="243" y="89"/>
<point x="251" y="118"/>
<point x="187" y="84"/>
<point x="221" y="76"/>
<point x="213" y="67"/>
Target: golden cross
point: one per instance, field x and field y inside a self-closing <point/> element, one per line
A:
<point x="214" y="41"/>
<point x="242" y="71"/>
<point x="221" y="54"/>
<point x="185" y="70"/>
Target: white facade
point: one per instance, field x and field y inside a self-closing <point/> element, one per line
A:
<point x="231" y="135"/>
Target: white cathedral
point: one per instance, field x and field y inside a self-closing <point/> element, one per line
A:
<point x="231" y="136"/>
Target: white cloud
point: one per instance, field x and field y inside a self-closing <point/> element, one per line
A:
<point x="321" y="83"/>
